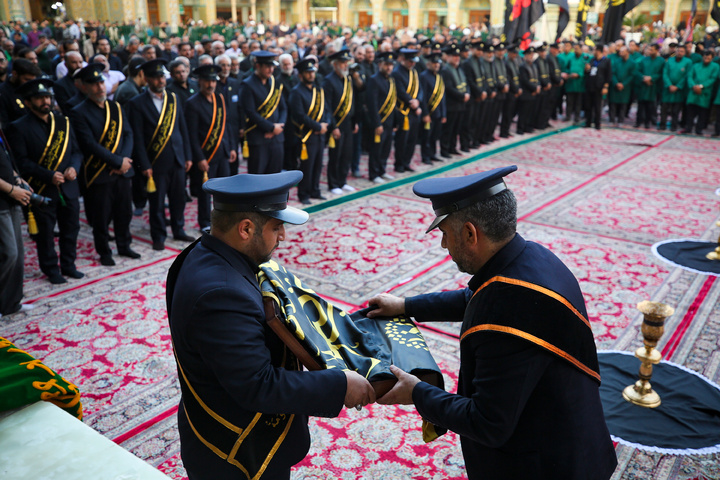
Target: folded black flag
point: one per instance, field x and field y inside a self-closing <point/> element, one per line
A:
<point x="581" y="23"/>
<point x="563" y="17"/>
<point x="614" y="14"/>
<point x="715" y="12"/>
<point x="519" y="16"/>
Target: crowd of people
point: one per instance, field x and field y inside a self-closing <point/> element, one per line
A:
<point x="127" y="124"/>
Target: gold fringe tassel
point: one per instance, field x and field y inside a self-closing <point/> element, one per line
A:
<point x="377" y="138"/>
<point x="406" y="124"/>
<point x="303" y="152"/>
<point x="32" y="224"/>
<point x="331" y="142"/>
<point x="151" y="185"/>
<point x="205" y="177"/>
<point x="246" y="149"/>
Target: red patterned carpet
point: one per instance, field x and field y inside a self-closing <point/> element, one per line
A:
<point x="597" y="199"/>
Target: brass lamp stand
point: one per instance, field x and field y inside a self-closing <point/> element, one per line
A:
<point x="653" y="326"/>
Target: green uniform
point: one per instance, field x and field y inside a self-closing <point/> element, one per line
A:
<point x="675" y="73"/>
<point x="705" y="75"/>
<point x="575" y="65"/>
<point x="695" y="57"/>
<point x="623" y="71"/>
<point x="653" y="68"/>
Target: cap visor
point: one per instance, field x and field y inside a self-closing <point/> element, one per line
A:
<point x="436" y="222"/>
<point x="291" y="215"/>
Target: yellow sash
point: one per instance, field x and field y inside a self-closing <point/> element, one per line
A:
<point x="389" y="105"/>
<point x="345" y="104"/>
<point x="54" y="152"/>
<point x="268" y="107"/>
<point x="110" y="140"/>
<point x="216" y="132"/>
<point x="412" y="89"/>
<point x="315" y="112"/>
<point x="165" y="127"/>
<point x="437" y="94"/>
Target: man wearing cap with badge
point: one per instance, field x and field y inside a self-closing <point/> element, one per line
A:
<point x="382" y="116"/>
<point x="44" y="146"/>
<point x="541" y="116"/>
<point x="530" y="84"/>
<point x="528" y="402"/>
<point x="457" y="96"/>
<point x="488" y="121"/>
<point x="162" y="152"/>
<point x="433" y="85"/>
<point x="245" y="403"/>
<point x="264" y="106"/>
<point x="410" y="107"/>
<point x="512" y="67"/>
<point x="207" y="119"/>
<point x="310" y="121"/>
<point x="106" y="139"/>
<point x="472" y="117"/>
<point x="338" y="86"/>
<point x="12" y="106"/>
<point x="503" y="87"/>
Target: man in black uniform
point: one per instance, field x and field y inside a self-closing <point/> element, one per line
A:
<point x="491" y="102"/>
<point x="310" y="120"/>
<point x="132" y="87"/>
<point x="206" y="116"/>
<point x="12" y="106"/>
<point x="503" y="88"/>
<point x="555" y="79"/>
<point x="49" y="159"/>
<point x="542" y="112"/>
<point x="433" y="85"/>
<point x="339" y="94"/>
<point x="457" y="96"/>
<point x="471" y="121"/>
<point x="65" y="88"/>
<point x="106" y="139"/>
<point x="410" y="108"/>
<point x="382" y="116"/>
<point x="266" y="112"/>
<point x="598" y="73"/>
<point x="162" y="152"/>
<point x="530" y="84"/>
<point x="513" y="75"/>
<point x="245" y="402"/>
<point x="230" y="89"/>
<point x="528" y="402"/>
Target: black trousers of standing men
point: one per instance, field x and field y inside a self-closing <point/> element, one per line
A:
<point x="340" y="157"/>
<point x="542" y="112"/>
<point x="429" y="139"/>
<point x="450" y="132"/>
<point x="508" y="113"/>
<point x="617" y="112"/>
<point x="379" y="152"/>
<point x="171" y="184"/>
<point x="672" y="109"/>
<point x="266" y="157"/>
<point x="493" y="118"/>
<point x="219" y="167"/>
<point x="594" y="108"/>
<point x="647" y="113"/>
<point x="111" y="202"/>
<point x="311" y="168"/>
<point x="574" y="105"/>
<point x="698" y="114"/>
<point x="67" y="218"/>
<point x="526" y="108"/>
<point x="405" y="141"/>
<point x="468" y="125"/>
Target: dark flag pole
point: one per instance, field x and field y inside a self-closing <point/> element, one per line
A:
<point x="519" y="16"/>
<point x="614" y="14"/>
<point x="581" y="21"/>
<point x="563" y="17"/>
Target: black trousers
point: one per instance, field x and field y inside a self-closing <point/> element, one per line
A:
<point x="139" y="190"/>
<point x="574" y="105"/>
<point x="493" y="118"/>
<point x="481" y="117"/>
<point x="647" y="113"/>
<point x="170" y="184"/>
<point x="672" y="109"/>
<point x="617" y="112"/>
<point x="266" y="157"/>
<point x="290" y="158"/>
<point x="509" y="111"/>
<point x="541" y="110"/>
<point x="593" y="113"/>
<point x="430" y="139"/>
<point x="468" y="125"/>
<point x="405" y="141"/>
<point x="67" y="218"/>
<point x="12" y="256"/>
<point x="111" y="202"/>
<point x="379" y="152"/>
<point x="340" y="157"/>
<point x="526" y="108"/>
<point x="219" y="168"/>
<point x="312" y="167"/>
<point x="450" y="131"/>
<point x="699" y="114"/>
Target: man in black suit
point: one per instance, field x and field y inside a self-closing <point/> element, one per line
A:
<point x="410" y="107"/>
<point x="65" y="88"/>
<point x="457" y="95"/>
<point x="12" y="106"/>
<point x="180" y="82"/>
<point x="530" y="85"/>
<point x="598" y="73"/>
<point x="382" y="116"/>
<point x="434" y="88"/>
<point x="49" y="158"/>
<point x="528" y="402"/>
<point x="106" y="139"/>
<point x="162" y="152"/>
<point x="245" y="403"/>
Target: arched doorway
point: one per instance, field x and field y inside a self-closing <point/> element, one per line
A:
<point x="433" y="13"/>
<point x="474" y="12"/>
<point x="361" y="13"/>
<point x="396" y="12"/>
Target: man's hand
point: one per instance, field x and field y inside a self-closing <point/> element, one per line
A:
<point x="203" y="165"/>
<point x="233" y="156"/>
<point x="20" y="195"/>
<point x="401" y="393"/>
<point x="359" y="391"/>
<point x="355" y="129"/>
<point x="188" y="166"/>
<point x="278" y="129"/>
<point x="426" y="119"/>
<point x="126" y="165"/>
<point x="466" y="98"/>
<point x="379" y="130"/>
<point x="58" y="179"/>
<point x="673" y="88"/>
<point x="70" y="174"/>
<point x="483" y="96"/>
<point x="336" y="133"/>
<point x="323" y="128"/>
<point x="443" y="120"/>
<point x="387" y="306"/>
<point x="697" y="89"/>
<point x="506" y="88"/>
<point x="647" y="79"/>
<point x="148" y="173"/>
<point x="619" y="86"/>
<point x="414" y="103"/>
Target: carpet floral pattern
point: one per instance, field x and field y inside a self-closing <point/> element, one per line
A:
<point x="599" y="200"/>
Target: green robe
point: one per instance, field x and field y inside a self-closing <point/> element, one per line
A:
<point x="653" y="68"/>
<point x="705" y="75"/>
<point x="575" y="65"/>
<point x="623" y="71"/>
<point x="695" y="57"/>
<point x="675" y="73"/>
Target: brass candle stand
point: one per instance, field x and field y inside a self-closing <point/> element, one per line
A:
<point x="715" y="254"/>
<point x="653" y="327"/>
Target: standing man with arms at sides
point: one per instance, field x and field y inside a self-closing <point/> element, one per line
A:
<point x="491" y="102"/>
<point x="339" y="94"/>
<point x="434" y="87"/>
<point x="382" y="116"/>
<point x="700" y="84"/>
<point x="263" y="104"/>
<point x="49" y="158"/>
<point x="206" y="117"/>
<point x="650" y="71"/>
<point x="598" y="75"/>
<point x="245" y="398"/>
<point x="674" y="91"/>
<point x="528" y="402"/>
<point x="310" y="121"/>
<point x="575" y="83"/>
<point x="503" y="88"/>
<point x="512" y="68"/>
<point x="457" y="96"/>
<point x="409" y="96"/>
<point x="162" y="152"/>
<point x="541" y="116"/>
<point x="471" y="120"/>
<point x="555" y="79"/>
<point x="530" y="85"/>
<point x="623" y="77"/>
<point x="106" y="139"/>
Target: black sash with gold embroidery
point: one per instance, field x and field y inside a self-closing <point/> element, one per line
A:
<point x="437" y="94"/>
<point x="216" y="132"/>
<point x="315" y="113"/>
<point x="345" y="104"/>
<point x="110" y="140"/>
<point x="269" y="105"/>
<point x="249" y="447"/>
<point x="389" y="104"/>
<point x="165" y="127"/>
<point x="55" y="149"/>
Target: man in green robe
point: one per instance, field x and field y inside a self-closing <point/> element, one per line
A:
<point x="623" y="73"/>
<point x="650" y="75"/>
<point x="701" y="80"/>
<point x="717" y="114"/>
<point x="695" y="57"/>
<point x="575" y="83"/>
<point x="674" y="89"/>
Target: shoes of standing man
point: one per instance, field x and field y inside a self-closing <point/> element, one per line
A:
<point x="378" y="180"/>
<point x="387" y="176"/>
<point x="138" y="212"/>
<point x="337" y="191"/>
<point x="306" y="201"/>
<point x="74" y="273"/>
<point x="128" y="252"/>
<point x="318" y="197"/>
<point x="183" y="237"/>
<point x="349" y="188"/>
<point x="107" y="260"/>
<point x="158" y="245"/>
<point x="56" y="279"/>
